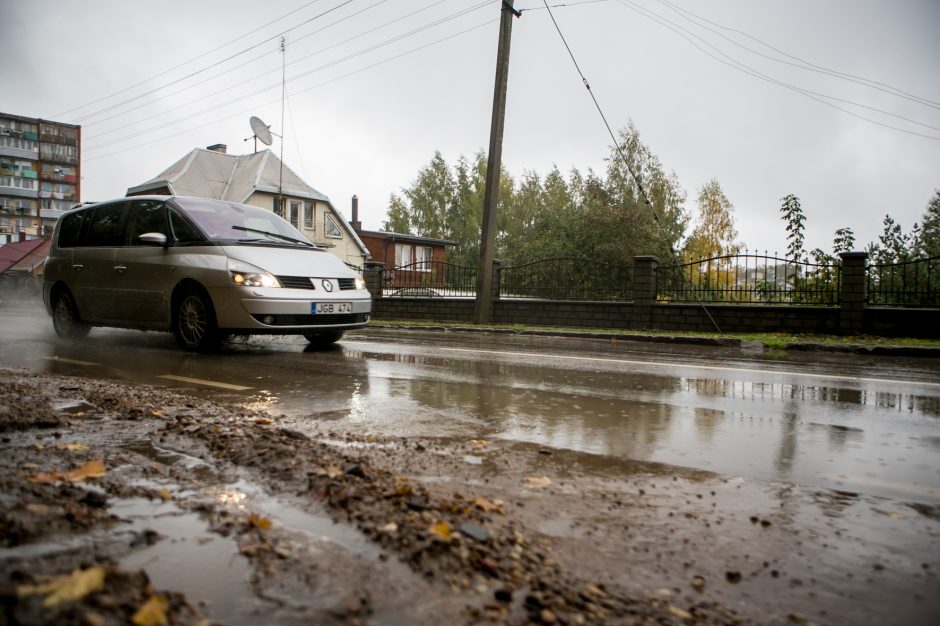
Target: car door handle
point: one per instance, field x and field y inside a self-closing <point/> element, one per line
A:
<point x="120" y="269"/>
<point x="78" y="268"/>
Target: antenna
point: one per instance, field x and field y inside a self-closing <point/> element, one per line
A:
<point x="261" y="131"/>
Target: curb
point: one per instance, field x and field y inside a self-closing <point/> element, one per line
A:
<point x="725" y="342"/>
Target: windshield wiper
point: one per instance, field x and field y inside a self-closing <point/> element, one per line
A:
<point x="270" y="234"/>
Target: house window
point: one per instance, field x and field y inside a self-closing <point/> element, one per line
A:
<point x="330" y="229"/>
<point x="308" y="215"/>
<point x="403" y="254"/>
<point x="424" y="255"/>
<point x="295" y="213"/>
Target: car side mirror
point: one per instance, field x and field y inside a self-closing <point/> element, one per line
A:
<point x="155" y="239"/>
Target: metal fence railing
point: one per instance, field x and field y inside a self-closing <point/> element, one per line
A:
<point x="750" y="278"/>
<point x="567" y="278"/>
<point x="429" y="279"/>
<point x="909" y="283"/>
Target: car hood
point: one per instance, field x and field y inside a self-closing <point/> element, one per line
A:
<point x="284" y="261"/>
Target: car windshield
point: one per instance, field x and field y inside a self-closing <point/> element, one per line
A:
<point x="227" y="221"/>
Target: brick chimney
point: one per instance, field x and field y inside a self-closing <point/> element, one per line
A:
<point x="218" y="147"/>
<point x="355" y="223"/>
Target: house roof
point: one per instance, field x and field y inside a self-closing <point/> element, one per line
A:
<point x="404" y="237"/>
<point x="23" y="256"/>
<point x="235" y="177"/>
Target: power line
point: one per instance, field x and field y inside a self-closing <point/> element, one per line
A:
<point x="738" y="65"/>
<point x="803" y="64"/>
<point x="224" y="72"/>
<point x="217" y="63"/>
<point x="323" y="84"/>
<point x="626" y="162"/>
<point x="176" y="67"/>
<point x="91" y="146"/>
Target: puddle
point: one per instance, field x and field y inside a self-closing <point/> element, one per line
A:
<point x="206" y="567"/>
<point x="165" y="456"/>
<point x="73" y="407"/>
<point x="317" y="527"/>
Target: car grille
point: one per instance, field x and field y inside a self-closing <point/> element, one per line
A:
<point x="302" y="282"/>
<point x="295" y="282"/>
<point x="314" y="320"/>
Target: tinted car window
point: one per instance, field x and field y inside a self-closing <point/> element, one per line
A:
<point x="104" y="227"/>
<point x="145" y="217"/>
<point x="70" y="229"/>
<point x="183" y="230"/>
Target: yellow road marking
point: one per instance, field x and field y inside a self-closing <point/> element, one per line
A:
<point x="208" y="383"/>
<point x="69" y="361"/>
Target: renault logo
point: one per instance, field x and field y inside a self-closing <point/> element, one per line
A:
<point x="327" y="284"/>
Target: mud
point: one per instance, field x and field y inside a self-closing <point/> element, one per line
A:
<point x="211" y="513"/>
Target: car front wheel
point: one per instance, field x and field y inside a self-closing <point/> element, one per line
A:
<point x="194" y="323"/>
<point x="65" y="318"/>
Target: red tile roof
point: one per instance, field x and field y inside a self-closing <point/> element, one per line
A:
<point x="24" y="254"/>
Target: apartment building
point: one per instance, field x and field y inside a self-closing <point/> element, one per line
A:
<point x="40" y="175"/>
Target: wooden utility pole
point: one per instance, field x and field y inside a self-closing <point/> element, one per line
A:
<point x="484" y="300"/>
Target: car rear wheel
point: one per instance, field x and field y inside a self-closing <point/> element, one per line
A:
<point x="65" y="318"/>
<point x="194" y="322"/>
<point x="322" y="339"/>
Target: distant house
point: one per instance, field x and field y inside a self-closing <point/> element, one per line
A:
<point x="21" y="264"/>
<point x="396" y="249"/>
<point x="409" y="255"/>
<point x="259" y="180"/>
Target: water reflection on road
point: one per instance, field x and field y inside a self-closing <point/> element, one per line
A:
<point x="859" y="435"/>
<point x="862" y="424"/>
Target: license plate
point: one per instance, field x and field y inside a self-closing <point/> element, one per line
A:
<point x="326" y="308"/>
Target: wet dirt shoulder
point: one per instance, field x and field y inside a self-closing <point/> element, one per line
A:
<point x="298" y="524"/>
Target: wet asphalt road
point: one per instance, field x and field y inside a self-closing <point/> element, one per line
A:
<point x="855" y="423"/>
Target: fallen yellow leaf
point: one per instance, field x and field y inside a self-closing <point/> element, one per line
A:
<point x="489" y="507"/>
<point x="152" y="612"/>
<point x="441" y="530"/>
<point x="69" y="588"/>
<point x="91" y="469"/>
<point x="156" y="414"/>
<point x="72" y="447"/>
<point x="536" y="482"/>
<point x="165" y="494"/>
<point x="259" y="521"/>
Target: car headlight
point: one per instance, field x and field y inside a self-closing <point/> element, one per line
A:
<point x="247" y="275"/>
<point x="360" y="283"/>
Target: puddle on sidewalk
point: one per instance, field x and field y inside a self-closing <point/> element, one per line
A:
<point x="189" y="559"/>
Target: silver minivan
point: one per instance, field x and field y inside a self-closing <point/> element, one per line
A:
<point x="200" y="268"/>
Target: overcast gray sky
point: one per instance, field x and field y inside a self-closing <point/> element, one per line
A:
<point x="370" y="99"/>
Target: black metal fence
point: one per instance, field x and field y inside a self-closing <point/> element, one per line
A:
<point x="429" y="279"/>
<point x="567" y="278"/>
<point x="909" y="283"/>
<point x="750" y="278"/>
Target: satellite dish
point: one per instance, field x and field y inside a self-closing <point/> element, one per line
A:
<point x="261" y="130"/>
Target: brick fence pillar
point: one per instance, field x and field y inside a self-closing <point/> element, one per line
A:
<point x="853" y="292"/>
<point x="644" y="289"/>
<point x="373" y="273"/>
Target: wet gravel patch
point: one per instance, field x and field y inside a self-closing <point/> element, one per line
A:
<point x="314" y="525"/>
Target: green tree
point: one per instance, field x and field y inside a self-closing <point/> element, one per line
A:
<point x="714" y="233"/>
<point x="893" y="245"/>
<point x="398" y="219"/>
<point x="796" y="223"/>
<point x="843" y="241"/>
<point x="927" y="237"/>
